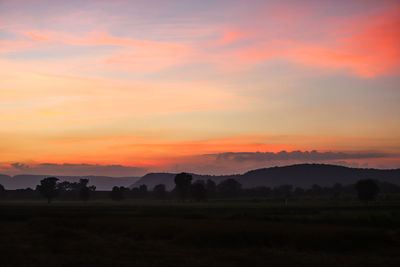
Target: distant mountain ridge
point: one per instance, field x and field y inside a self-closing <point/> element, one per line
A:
<point x="301" y="175"/>
<point x="101" y="182"/>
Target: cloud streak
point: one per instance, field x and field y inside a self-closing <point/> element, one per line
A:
<point x="68" y="169"/>
<point x="217" y="163"/>
<point x="240" y="162"/>
<point x="294" y="155"/>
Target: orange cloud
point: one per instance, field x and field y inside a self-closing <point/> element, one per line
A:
<point x="147" y="151"/>
<point x="158" y="153"/>
<point x="37" y="36"/>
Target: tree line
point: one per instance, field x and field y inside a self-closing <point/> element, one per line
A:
<point x="188" y="190"/>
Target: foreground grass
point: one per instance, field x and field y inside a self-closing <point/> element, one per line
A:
<point x="206" y="234"/>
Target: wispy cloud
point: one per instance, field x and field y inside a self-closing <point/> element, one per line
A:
<point x="367" y="46"/>
<point x="240" y="162"/>
<point x="295" y="155"/>
<point x="68" y="169"/>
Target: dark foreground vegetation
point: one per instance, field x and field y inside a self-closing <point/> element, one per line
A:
<point x="185" y="189"/>
<point x="200" y="223"/>
<point x="167" y="233"/>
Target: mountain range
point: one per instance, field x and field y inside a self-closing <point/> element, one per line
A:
<point x="301" y="175"/>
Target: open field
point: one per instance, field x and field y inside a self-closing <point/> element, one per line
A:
<point x="205" y="234"/>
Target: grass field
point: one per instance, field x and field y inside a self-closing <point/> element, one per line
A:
<point x="205" y="234"/>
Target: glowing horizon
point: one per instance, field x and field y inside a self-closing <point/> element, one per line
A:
<point x="178" y="85"/>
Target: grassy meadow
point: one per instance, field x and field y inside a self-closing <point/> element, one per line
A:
<point x="157" y="233"/>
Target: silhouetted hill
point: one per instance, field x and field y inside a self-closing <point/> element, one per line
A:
<point x="4" y="179"/>
<point x="302" y="175"/>
<point x="305" y="175"/>
<point x="101" y="182"/>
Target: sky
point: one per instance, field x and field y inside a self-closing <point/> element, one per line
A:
<point x="122" y="88"/>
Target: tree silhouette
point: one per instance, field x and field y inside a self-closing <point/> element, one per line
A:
<point x="134" y="192"/>
<point x="182" y="185"/>
<point x="2" y="191"/>
<point x="367" y="189"/>
<point x="211" y="187"/>
<point x="316" y="190"/>
<point x="65" y="186"/>
<point x="48" y="188"/>
<point x="337" y="190"/>
<point x="118" y="193"/>
<point x="298" y="192"/>
<point x="284" y="191"/>
<point x="84" y="190"/>
<point x="159" y="191"/>
<point x="143" y="191"/>
<point x="389" y="188"/>
<point x="198" y="191"/>
<point x="229" y="188"/>
<point x="259" y="191"/>
<point x="84" y="193"/>
<point x="83" y="182"/>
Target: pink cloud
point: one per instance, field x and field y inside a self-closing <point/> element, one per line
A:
<point x="367" y="52"/>
<point x="229" y="37"/>
<point x="12" y="46"/>
<point x="368" y="47"/>
<point x="93" y="39"/>
<point x="132" y="55"/>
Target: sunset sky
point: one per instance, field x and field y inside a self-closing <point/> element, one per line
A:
<point x="123" y="88"/>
